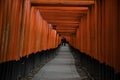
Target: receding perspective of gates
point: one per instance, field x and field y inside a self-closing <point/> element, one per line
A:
<point x="36" y="34"/>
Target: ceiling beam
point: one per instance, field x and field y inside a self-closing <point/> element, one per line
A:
<point x="61" y="8"/>
<point x="62" y="15"/>
<point x="68" y="29"/>
<point x="61" y="11"/>
<point x="62" y="2"/>
<point x="67" y="25"/>
<point x="46" y="17"/>
<point x="65" y="31"/>
<point x="65" y="28"/>
<point x="63" y="22"/>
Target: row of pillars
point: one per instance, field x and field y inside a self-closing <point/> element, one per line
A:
<point x="23" y="31"/>
<point x="99" y="33"/>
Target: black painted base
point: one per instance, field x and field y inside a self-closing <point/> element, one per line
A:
<point x="16" y="70"/>
<point x="99" y="71"/>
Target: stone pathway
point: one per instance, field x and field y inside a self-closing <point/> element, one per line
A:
<point x="62" y="67"/>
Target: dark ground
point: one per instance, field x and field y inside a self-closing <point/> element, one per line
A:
<point x="94" y="69"/>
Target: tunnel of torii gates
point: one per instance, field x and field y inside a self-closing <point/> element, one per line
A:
<point x="91" y="26"/>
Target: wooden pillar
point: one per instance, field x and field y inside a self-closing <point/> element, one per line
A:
<point x="117" y="64"/>
<point x="25" y="29"/>
<point x="99" y="29"/>
<point x="3" y="29"/>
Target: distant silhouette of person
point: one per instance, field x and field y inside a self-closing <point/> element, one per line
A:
<point x="63" y="41"/>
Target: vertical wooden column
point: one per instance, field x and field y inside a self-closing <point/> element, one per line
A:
<point x="34" y="15"/>
<point x="85" y="37"/>
<point x="83" y="34"/>
<point x="99" y="29"/>
<point x="49" y="36"/>
<point x="43" y="35"/>
<point x="117" y="56"/>
<point x="53" y="38"/>
<point x="116" y="32"/>
<point x="102" y="33"/>
<point x="88" y="32"/>
<point x="1" y="16"/>
<point x="92" y="32"/>
<point x="3" y="11"/>
<point x="25" y="29"/>
<point x="77" y="38"/>
<point x="56" y="42"/>
<point x="38" y="33"/>
<point x="96" y="30"/>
